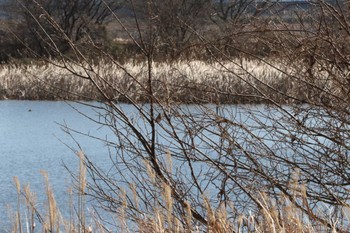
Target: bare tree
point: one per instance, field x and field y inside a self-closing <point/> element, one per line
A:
<point x="193" y="161"/>
<point x="171" y="22"/>
<point x="233" y="10"/>
<point x="76" y="19"/>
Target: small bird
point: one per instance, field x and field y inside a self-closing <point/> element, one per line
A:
<point x="158" y="118"/>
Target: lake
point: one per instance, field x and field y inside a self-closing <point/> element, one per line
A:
<point x="32" y="140"/>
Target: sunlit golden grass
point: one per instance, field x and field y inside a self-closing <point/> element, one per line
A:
<point x="273" y="216"/>
<point x="236" y="81"/>
<point x="270" y="219"/>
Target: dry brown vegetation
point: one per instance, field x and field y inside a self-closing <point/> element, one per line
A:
<point x="275" y="215"/>
<point x="278" y="167"/>
<point x="186" y="82"/>
<point x="228" y="82"/>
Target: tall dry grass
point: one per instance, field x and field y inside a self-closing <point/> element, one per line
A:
<point x="28" y="217"/>
<point x="237" y="81"/>
<point x="274" y="216"/>
<point x="270" y="219"/>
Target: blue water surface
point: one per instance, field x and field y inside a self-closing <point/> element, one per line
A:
<point x="32" y="140"/>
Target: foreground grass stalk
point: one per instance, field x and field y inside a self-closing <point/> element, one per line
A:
<point x="30" y="201"/>
<point x="53" y="213"/>
<point x="81" y="194"/>
<point x="18" y="223"/>
<point x="270" y="220"/>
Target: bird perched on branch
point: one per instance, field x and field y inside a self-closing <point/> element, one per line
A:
<point x="158" y="118"/>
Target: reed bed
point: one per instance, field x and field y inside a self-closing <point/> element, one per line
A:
<point x="237" y="81"/>
<point x="273" y="215"/>
<point x="280" y="216"/>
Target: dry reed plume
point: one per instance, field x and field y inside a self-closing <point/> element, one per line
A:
<point x="237" y="81"/>
<point x="273" y="216"/>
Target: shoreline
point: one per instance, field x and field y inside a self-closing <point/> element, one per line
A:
<point x="238" y="82"/>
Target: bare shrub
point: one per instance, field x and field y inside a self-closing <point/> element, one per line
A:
<point x="176" y="165"/>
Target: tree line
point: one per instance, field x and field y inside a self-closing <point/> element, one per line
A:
<point x="176" y="25"/>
